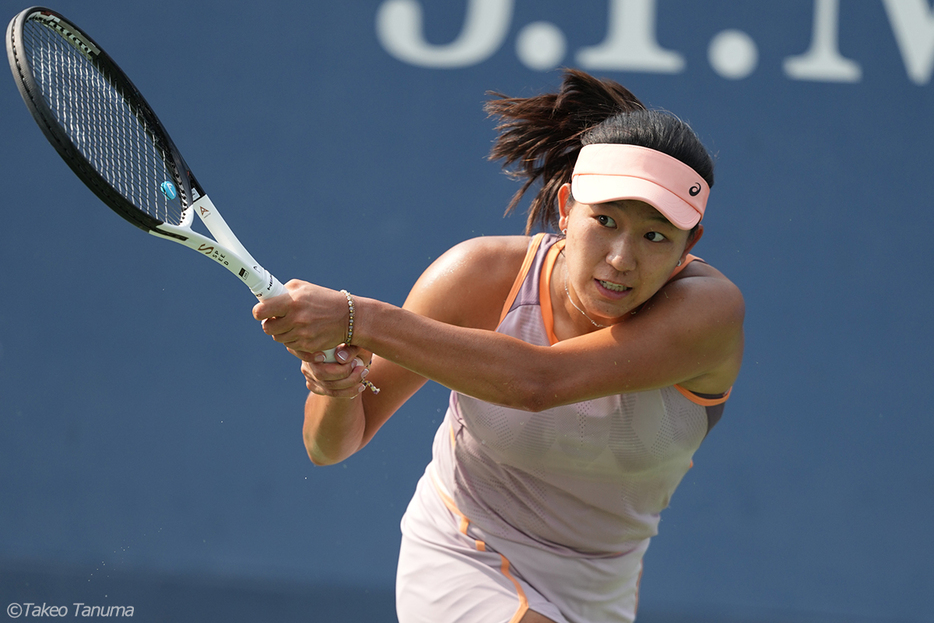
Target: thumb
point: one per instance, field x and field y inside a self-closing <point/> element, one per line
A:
<point x="275" y="307"/>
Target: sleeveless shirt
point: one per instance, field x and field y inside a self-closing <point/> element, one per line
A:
<point x="587" y="479"/>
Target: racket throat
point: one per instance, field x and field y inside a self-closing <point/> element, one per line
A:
<point x="168" y="235"/>
<point x="209" y="215"/>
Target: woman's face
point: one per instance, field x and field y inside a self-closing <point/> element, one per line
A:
<point x="618" y="255"/>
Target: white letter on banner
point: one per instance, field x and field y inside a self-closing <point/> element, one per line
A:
<point x="823" y="61"/>
<point x="630" y="42"/>
<point x="913" y="25"/>
<point x="399" y="30"/>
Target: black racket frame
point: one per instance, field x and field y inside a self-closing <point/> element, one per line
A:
<point x="188" y="188"/>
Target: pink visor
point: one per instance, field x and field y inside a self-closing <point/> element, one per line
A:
<point x="609" y="172"/>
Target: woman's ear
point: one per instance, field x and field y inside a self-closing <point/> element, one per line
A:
<point x="692" y="240"/>
<point x="564" y="205"/>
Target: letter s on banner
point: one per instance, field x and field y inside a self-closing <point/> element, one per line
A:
<point x="486" y="24"/>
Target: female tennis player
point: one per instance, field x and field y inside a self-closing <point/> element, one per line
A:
<point x="586" y="367"/>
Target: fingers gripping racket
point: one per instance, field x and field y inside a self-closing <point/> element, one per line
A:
<point x="106" y="132"/>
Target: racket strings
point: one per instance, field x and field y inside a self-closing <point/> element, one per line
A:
<point x="110" y="133"/>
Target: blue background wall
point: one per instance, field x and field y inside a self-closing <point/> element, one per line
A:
<point x="150" y="448"/>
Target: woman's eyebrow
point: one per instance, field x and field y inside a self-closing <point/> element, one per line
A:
<point x="652" y="215"/>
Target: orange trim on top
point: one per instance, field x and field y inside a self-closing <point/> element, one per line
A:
<point x="544" y="294"/>
<point x="690" y="258"/>
<point x="544" y="297"/>
<point x="700" y="400"/>
<point x="523" y="271"/>
<point x="544" y="291"/>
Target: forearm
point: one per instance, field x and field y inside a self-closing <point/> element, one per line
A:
<point x="630" y="357"/>
<point x="477" y="362"/>
<point x="333" y="428"/>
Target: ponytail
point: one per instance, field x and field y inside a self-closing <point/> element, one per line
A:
<point x="540" y="136"/>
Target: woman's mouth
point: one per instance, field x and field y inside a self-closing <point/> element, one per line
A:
<point x="614" y="288"/>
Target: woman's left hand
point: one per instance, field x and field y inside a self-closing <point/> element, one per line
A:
<point x="307" y="319"/>
<point x="343" y="379"/>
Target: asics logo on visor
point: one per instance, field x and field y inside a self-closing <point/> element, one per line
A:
<point x="695" y="190"/>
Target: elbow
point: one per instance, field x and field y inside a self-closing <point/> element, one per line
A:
<point x="532" y="393"/>
<point x="541" y="401"/>
<point x="535" y="400"/>
<point x="540" y="385"/>
<point x="319" y="460"/>
<point x="319" y="456"/>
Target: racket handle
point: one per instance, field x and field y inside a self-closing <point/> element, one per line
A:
<point x="273" y="287"/>
<point x="267" y="287"/>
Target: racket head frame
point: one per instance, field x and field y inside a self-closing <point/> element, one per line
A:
<point x="187" y="186"/>
<point x="226" y="249"/>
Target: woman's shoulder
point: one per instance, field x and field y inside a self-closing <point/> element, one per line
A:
<point x="714" y="309"/>
<point x="469" y="283"/>
<point x="492" y="247"/>
<point x="703" y="275"/>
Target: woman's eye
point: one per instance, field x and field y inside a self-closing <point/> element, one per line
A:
<point x="605" y="220"/>
<point x="655" y="236"/>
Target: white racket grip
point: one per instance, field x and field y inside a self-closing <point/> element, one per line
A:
<point x="268" y="285"/>
<point x="271" y="287"/>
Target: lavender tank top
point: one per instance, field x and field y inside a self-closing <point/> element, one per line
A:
<point x="587" y="479"/>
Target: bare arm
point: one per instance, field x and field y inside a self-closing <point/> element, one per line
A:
<point x="690" y="333"/>
<point x="338" y="419"/>
<point x="336" y="427"/>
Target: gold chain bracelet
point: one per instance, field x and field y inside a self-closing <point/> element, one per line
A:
<point x="351" y="311"/>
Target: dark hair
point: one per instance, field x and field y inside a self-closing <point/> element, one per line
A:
<point x="541" y="136"/>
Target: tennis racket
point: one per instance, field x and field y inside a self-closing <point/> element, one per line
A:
<point x="104" y="129"/>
